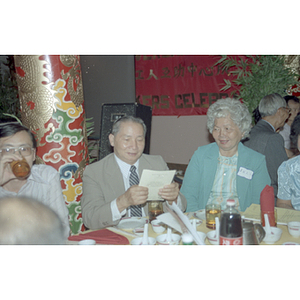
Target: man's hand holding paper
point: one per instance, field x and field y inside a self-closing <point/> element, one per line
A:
<point x="135" y="195"/>
<point x="169" y="192"/>
<point x="160" y="185"/>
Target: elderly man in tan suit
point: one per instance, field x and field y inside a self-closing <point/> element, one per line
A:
<point x="108" y="193"/>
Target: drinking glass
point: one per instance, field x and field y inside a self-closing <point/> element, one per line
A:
<point x="211" y="212"/>
<point x="20" y="168"/>
<point x="155" y="208"/>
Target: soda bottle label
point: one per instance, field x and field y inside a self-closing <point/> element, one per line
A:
<point x="231" y="241"/>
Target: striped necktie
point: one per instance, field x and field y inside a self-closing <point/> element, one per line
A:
<point x="135" y="210"/>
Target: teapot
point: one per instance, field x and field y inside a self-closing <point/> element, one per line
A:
<point x="253" y="234"/>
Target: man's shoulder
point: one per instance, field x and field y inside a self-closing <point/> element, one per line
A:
<point x="260" y="135"/>
<point x="43" y="173"/>
<point x="271" y="139"/>
<point x="102" y="162"/>
<point x="248" y="152"/>
<point x="43" y="169"/>
<point x="151" y="159"/>
<point x="262" y="128"/>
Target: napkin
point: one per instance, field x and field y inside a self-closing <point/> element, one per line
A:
<point x="169" y="220"/>
<point x="102" y="236"/>
<point x="267" y="202"/>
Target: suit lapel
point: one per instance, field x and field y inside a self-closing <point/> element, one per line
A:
<point x="143" y="164"/>
<point x="116" y="182"/>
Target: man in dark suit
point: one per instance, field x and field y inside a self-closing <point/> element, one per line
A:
<point x="264" y="137"/>
<point x="107" y="193"/>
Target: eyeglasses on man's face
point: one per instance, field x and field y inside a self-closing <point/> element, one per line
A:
<point x="23" y="150"/>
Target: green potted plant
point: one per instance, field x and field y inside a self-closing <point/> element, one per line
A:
<point x="255" y="76"/>
<point x="9" y="101"/>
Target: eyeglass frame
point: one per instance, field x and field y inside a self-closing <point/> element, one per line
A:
<point x="17" y="149"/>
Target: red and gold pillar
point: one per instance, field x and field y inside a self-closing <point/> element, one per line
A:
<point x="51" y="100"/>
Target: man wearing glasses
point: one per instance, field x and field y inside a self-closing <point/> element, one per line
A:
<point x="264" y="137"/>
<point x="42" y="183"/>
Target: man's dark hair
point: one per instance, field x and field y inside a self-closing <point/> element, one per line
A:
<point x="295" y="131"/>
<point x="9" y="129"/>
<point x="117" y="124"/>
<point x="288" y="98"/>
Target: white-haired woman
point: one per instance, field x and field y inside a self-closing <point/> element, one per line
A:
<point x="225" y="169"/>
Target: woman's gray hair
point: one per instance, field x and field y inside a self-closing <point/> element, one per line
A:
<point x="237" y="111"/>
<point x="117" y="124"/>
<point x="269" y="104"/>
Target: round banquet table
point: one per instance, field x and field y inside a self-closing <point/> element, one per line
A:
<point x="130" y="235"/>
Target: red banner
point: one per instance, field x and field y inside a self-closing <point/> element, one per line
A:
<point x="179" y="84"/>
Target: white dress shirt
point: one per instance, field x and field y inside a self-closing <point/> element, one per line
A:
<point x="285" y="133"/>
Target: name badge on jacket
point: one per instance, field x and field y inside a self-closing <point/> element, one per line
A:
<point x="243" y="172"/>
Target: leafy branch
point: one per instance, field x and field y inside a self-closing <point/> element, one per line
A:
<point x="255" y="76"/>
<point x="9" y="101"/>
<point x="90" y="129"/>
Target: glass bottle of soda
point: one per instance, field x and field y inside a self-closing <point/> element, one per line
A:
<point x="231" y="230"/>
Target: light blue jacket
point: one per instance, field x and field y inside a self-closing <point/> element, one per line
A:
<point x="200" y="174"/>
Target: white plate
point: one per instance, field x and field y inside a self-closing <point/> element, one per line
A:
<point x="131" y="223"/>
<point x="200" y="214"/>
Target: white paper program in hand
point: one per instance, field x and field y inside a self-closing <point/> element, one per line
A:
<point x="155" y="180"/>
